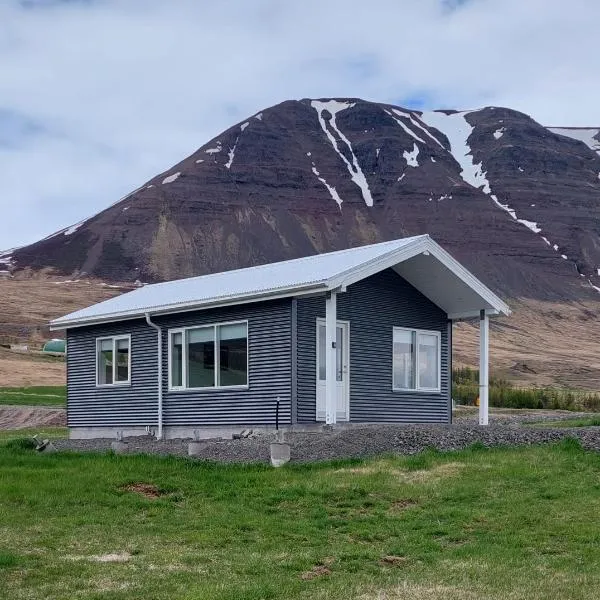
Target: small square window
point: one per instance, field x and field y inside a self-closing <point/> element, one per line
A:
<point x="113" y="363"/>
<point x="416" y="360"/>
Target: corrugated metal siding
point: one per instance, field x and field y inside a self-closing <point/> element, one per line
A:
<point x="269" y="345"/>
<point x="269" y="357"/>
<point x="374" y="306"/>
<point x="111" y="406"/>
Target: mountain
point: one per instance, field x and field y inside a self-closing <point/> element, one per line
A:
<point x="516" y="202"/>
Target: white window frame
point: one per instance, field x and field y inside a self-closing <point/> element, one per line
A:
<point x="184" y="387"/>
<point x="114" y="339"/>
<point x="417" y="387"/>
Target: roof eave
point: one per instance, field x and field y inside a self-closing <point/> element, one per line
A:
<point x="302" y="290"/>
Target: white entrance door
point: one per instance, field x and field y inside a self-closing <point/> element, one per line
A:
<point x="342" y="360"/>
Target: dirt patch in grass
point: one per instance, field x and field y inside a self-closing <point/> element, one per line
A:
<point x="393" y="561"/>
<point x="402" y="504"/>
<point x="414" y="591"/>
<point x="316" y="571"/>
<point x="419" y="476"/>
<point x="431" y="475"/>
<point x="116" y="557"/>
<point x="148" y="490"/>
<point x="122" y="557"/>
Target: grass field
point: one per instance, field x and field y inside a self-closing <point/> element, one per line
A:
<point x="34" y="396"/>
<point x="42" y="432"/>
<point x="502" y="523"/>
<point x="584" y="422"/>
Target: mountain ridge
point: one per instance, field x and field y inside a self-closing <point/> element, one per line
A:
<point x="513" y="200"/>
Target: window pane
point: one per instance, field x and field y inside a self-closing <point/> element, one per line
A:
<point x="428" y="361"/>
<point x="233" y="354"/>
<point x="201" y="357"/>
<point x="122" y="360"/>
<point x="105" y="362"/>
<point x="321" y="353"/>
<point x="404" y="360"/>
<point x="177" y="360"/>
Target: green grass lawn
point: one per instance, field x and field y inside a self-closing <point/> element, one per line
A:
<point x="42" y="432"/>
<point x="501" y="523"/>
<point x="583" y="422"/>
<point x="35" y="396"/>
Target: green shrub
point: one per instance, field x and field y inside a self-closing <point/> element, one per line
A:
<point x="502" y="394"/>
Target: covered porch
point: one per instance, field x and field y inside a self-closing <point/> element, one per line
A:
<point x="442" y="280"/>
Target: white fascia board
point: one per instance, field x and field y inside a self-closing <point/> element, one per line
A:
<point x="304" y="290"/>
<point x="473" y="314"/>
<point x="378" y="264"/>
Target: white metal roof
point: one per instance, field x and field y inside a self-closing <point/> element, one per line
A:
<point x="311" y="274"/>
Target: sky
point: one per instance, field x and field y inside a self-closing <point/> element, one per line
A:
<point x="98" y="96"/>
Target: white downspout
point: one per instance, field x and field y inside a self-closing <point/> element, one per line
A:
<point x="159" y="433"/>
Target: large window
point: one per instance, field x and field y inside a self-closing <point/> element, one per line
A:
<point x="416" y="360"/>
<point x="113" y="363"/>
<point x="209" y="357"/>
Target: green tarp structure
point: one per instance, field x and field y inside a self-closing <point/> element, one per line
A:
<point x="55" y="346"/>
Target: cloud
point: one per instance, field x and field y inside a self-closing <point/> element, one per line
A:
<point x="97" y="96"/>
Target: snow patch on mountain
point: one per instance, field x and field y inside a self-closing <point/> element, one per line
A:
<point x="6" y="261"/>
<point x="415" y="123"/>
<point x="171" y="178"/>
<point x="332" y="191"/>
<point x="456" y="128"/>
<point x="215" y="150"/>
<point x="595" y="287"/>
<point x="499" y="132"/>
<point x="356" y="174"/>
<point x="530" y="224"/>
<point x="587" y="135"/>
<point x="411" y="157"/>
<point x="406" y="128"/>
<point x="231" y="154"/>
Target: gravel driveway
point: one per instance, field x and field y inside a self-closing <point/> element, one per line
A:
<point x="506" y="428"/>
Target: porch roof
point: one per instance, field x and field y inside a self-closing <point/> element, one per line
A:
<point x="419" y="260"/>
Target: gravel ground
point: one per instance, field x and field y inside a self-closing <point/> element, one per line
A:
<point x="505" y="429"/>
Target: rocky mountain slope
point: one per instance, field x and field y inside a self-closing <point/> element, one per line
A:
<point x="517" y="202"/>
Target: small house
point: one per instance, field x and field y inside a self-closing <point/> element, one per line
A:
<point x="357" y="336"/>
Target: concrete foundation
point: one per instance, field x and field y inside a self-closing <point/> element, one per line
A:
<point x="197" y="433"/>
<point x="207" y="433"/>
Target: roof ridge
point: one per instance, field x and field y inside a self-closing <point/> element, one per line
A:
<point x="299" y="259"/>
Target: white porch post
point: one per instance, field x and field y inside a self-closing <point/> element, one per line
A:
<point x="330" y="358"/>
<point x="484" y="329"/>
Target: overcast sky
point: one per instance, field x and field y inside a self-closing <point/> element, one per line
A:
<point x="97" y="96"/>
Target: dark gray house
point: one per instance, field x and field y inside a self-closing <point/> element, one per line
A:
<point x="360" y="336"/>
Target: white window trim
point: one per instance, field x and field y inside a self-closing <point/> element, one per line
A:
<point x="182" y="330"/>
<point x="417" y="388"/>
<point x="114" y="339"/>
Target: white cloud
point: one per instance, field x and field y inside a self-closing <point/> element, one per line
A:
<point x="117" y="90"/>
